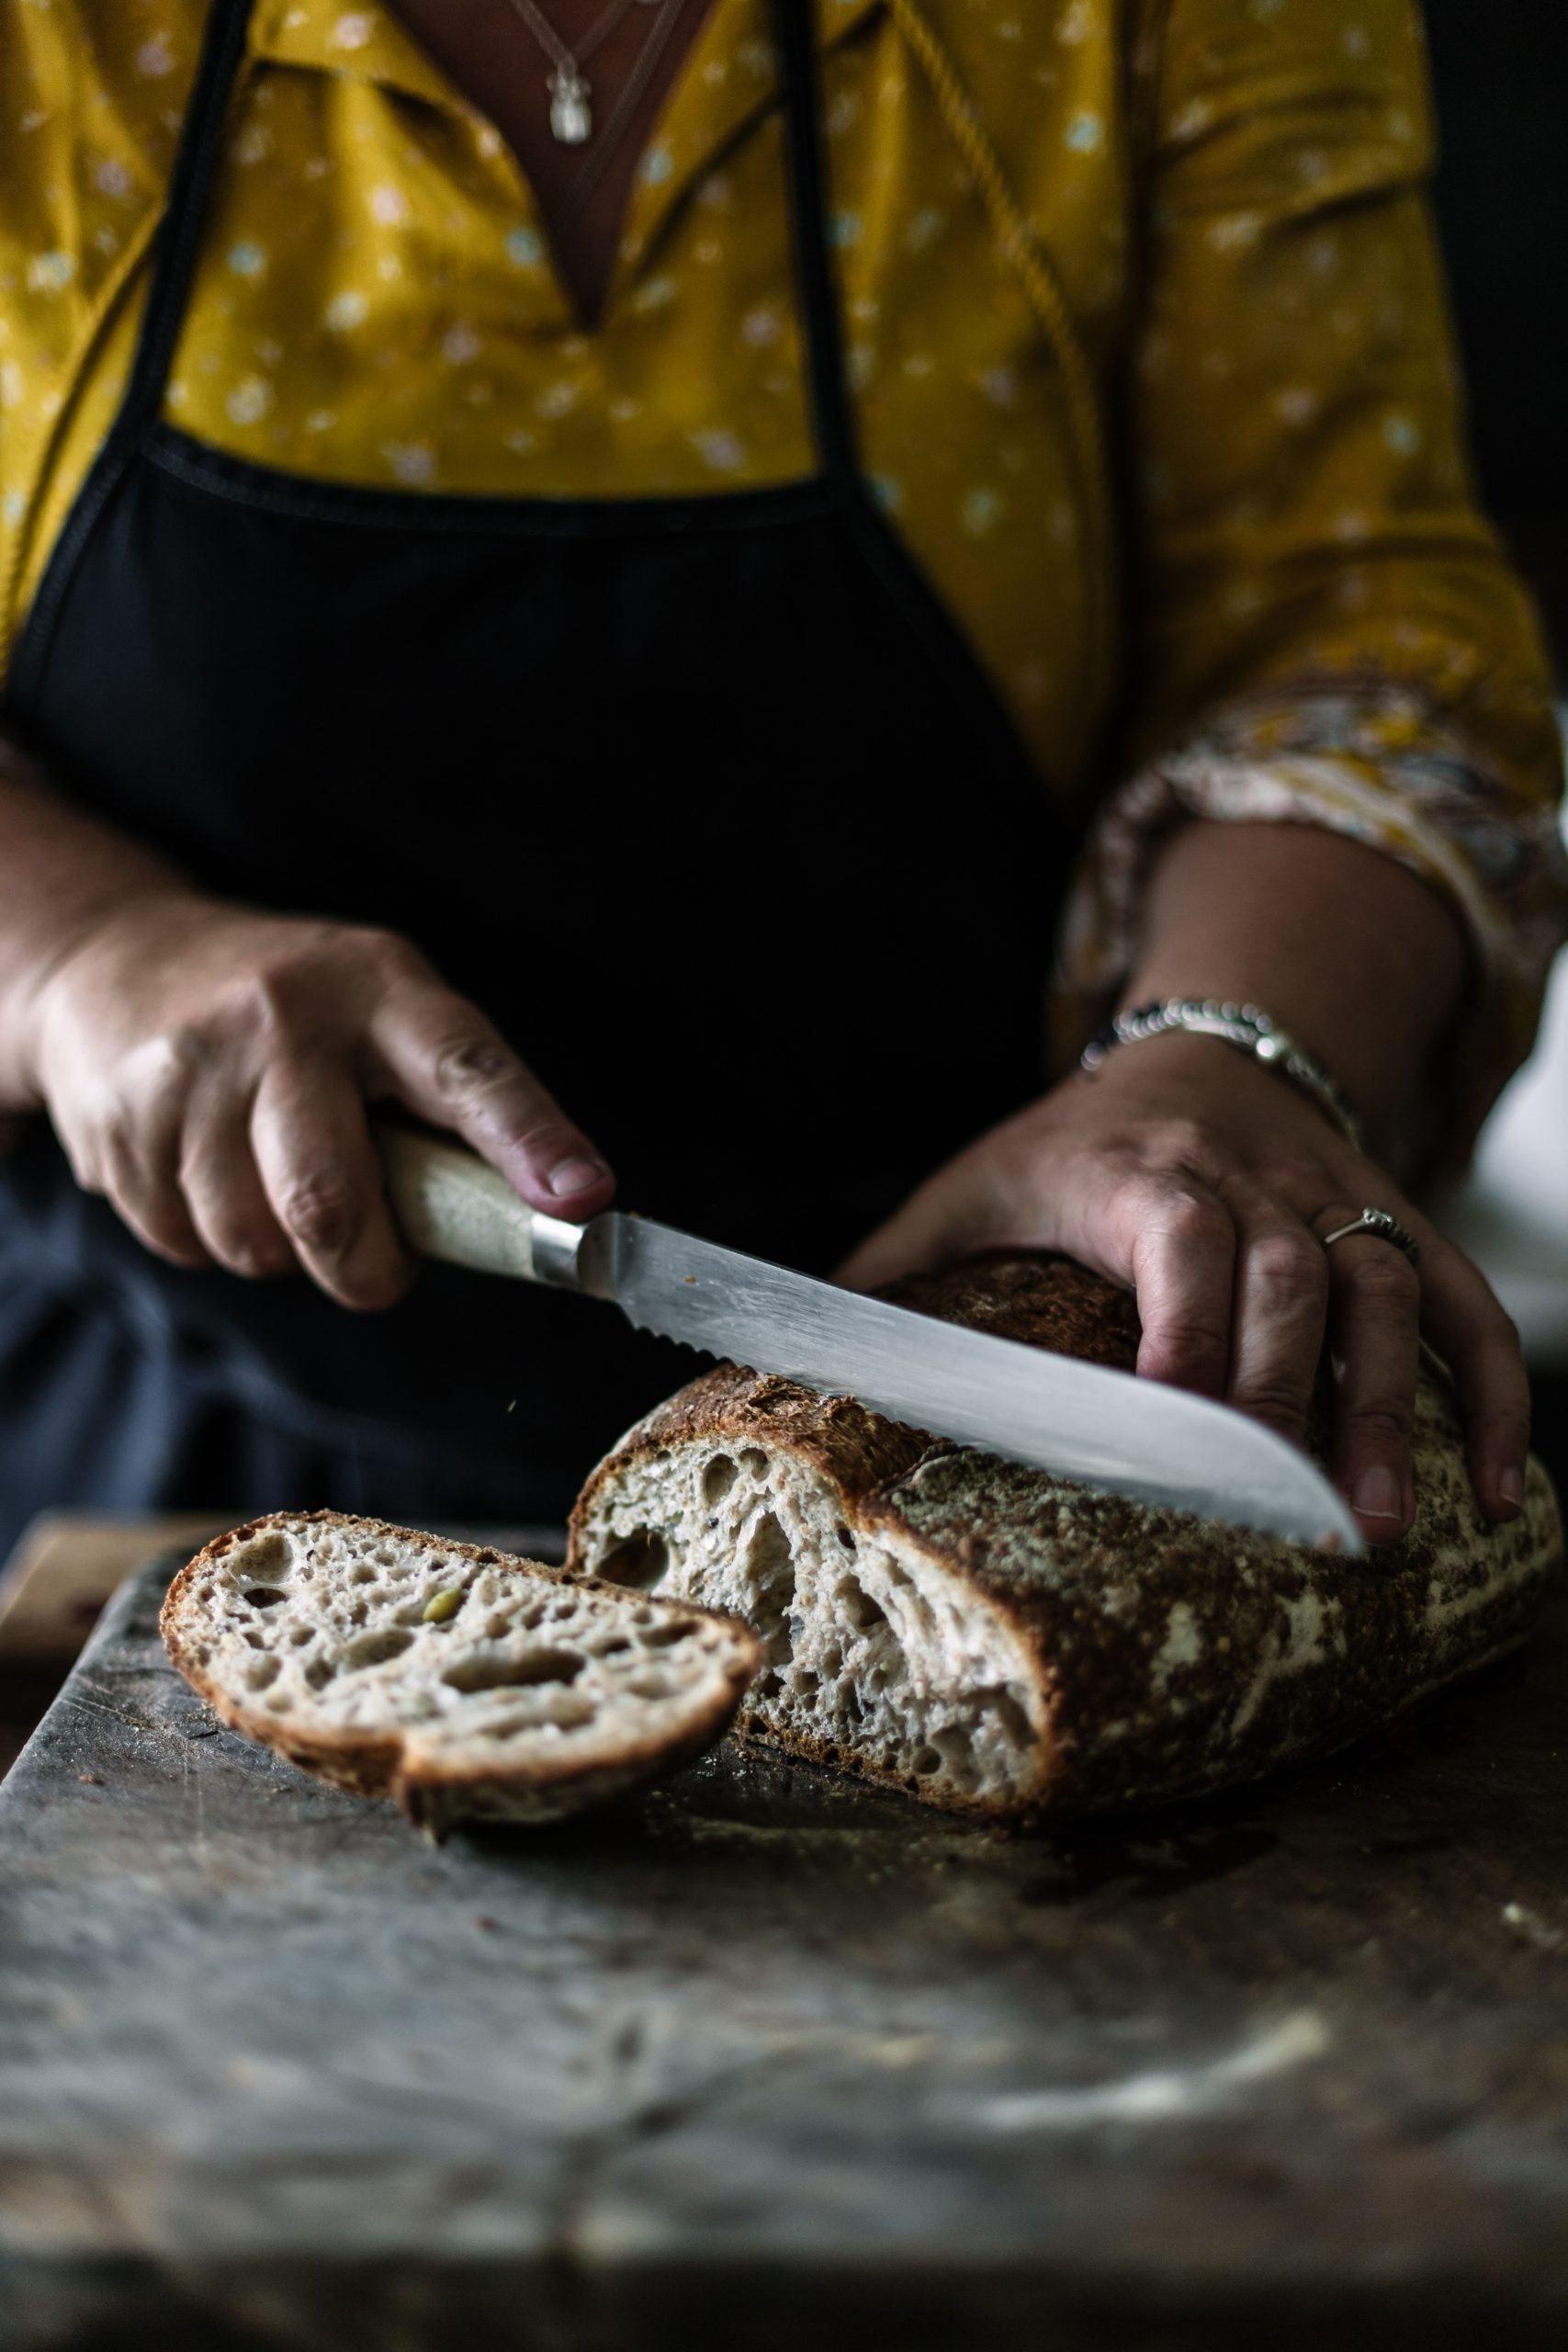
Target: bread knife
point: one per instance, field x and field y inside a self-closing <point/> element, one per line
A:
<point x="1081" y="1421"/>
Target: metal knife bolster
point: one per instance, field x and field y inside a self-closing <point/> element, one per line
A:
<point x="452" y="1205"/>
<point x="575" y="1257"/>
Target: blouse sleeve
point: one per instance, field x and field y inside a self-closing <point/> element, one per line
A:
<point x="1323" y="629"/>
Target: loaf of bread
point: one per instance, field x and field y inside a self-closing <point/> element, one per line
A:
<point x="1003" y="1644"/>
<point x="464" y="1683"/>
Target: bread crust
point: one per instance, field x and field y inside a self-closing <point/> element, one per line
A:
<point x="436" y="1796"/>
<point x="1171" y="1656"/>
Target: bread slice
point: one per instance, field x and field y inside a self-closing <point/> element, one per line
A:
<point x="464" y="1683"/>
<point x="1002" y="1644"/>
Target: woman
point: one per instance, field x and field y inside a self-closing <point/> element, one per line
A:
<point x="599" y="571"/>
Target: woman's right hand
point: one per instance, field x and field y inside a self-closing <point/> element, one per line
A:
<point x="207" y="1069"/>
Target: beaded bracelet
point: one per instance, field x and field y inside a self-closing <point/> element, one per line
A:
<point x="1247" y="1026"/>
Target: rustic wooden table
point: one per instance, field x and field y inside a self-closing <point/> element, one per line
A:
<point x="763" y="2059"/>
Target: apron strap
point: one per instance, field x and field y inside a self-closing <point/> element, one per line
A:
<point x="832" y="419"/>
<point x="185" y="216"/>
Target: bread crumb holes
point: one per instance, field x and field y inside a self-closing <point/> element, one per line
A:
<point x="638" y="1562"/>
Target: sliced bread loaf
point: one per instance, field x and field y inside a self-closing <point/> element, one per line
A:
<point x="464" y="1683"/>
<point x="1000" y="1642"/>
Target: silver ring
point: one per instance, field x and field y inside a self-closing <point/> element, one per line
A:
<point x="1382" y="1227"/>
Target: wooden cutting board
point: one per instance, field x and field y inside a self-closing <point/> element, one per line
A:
<point x="66" y="1566"/>
<point x="763" y="2061"/>
<point x="68" y="1563"/>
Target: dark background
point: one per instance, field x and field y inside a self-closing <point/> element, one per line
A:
<point x="1500" y="73"/>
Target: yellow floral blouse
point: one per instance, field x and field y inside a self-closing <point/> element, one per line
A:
<point x="1144" y="327"/>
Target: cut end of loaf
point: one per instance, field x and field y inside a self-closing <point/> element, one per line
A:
<point x="1002" y="1644"/>
<point x="464" y="1683"/>
<point x="876" y="1660"/>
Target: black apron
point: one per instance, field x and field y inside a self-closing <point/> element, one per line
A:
<point x="702" y="799"/>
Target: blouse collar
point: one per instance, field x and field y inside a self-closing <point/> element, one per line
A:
<point x="730" y="77"/>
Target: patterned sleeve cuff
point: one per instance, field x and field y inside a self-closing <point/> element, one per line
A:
<point x="1380" y="765"/>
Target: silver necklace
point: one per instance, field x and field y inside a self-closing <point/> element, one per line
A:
<point x="571" y="95"/>
<point x="626" y="105"/>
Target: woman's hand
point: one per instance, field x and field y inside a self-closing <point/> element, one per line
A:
<point x="207" y="1070"/>
<point x="1206" y="1184"/>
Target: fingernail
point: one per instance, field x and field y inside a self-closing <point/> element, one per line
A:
<point x="576" y="1176"/>
<point x="1511" y="1487"/>
<point x="1376" y="1495"/>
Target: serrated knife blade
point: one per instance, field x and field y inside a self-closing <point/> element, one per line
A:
<point x="1078" y="1421"/>
<point x="1083" y="1421"/>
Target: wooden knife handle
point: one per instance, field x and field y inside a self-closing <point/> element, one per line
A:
<point x="451" y="1204"/>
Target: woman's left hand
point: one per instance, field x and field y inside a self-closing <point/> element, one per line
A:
<point x="1206" y="1184"/>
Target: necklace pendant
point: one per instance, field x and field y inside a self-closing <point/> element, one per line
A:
<point x="571" y="115"/>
